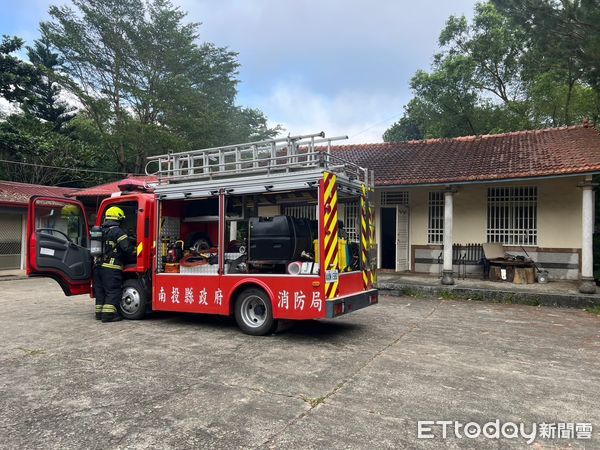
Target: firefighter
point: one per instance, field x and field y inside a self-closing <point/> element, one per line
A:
<point x="108" y="274"/>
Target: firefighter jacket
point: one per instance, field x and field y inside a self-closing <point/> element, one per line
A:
<point x="118" y="250"/>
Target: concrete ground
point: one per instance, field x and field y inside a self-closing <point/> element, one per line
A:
<point x="360" y="381"/>
<point x="12" y="274"/>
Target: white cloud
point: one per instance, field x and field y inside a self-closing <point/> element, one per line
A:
<point x="7" y="108"/>
<point x="335" y="65"/>
<point x="362" y="117"/>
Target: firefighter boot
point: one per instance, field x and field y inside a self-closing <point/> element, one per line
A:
<point x="111" y="318"/>
<point x="110" y="314"/>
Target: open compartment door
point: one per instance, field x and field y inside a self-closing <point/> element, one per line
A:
<point x="57" y="243"/>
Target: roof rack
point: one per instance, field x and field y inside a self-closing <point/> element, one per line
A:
<point x="268" y="157"/>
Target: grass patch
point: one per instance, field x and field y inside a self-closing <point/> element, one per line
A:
<point x="594" y="310"/>
<point x="411" y="292"/>
<point x="313" y="402"/>
<point x="509" y="299"/>
<point x="449" y="295"/>
<point x="535" y="301"/>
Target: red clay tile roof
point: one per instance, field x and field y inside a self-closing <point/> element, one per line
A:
<point x="18" y="194"/>
<point x="105" y="190"/>
<point x="523" y="154"/>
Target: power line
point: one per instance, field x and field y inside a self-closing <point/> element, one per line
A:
<point x="374" y="125"/>
<point x="71" y="169"/>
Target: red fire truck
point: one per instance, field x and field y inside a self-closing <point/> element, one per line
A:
<point x="269" y="230"/>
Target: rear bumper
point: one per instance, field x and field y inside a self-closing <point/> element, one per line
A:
<point x="350" y="303"/>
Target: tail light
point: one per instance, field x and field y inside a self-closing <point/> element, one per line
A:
<point x="338" y="309"/>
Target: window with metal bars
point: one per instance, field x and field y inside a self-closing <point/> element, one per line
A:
<point x="392" y="198"/>
<point x="435" y="231"/>
<point x="301" y="211"/>
<point x="352" y="221"/>
<point x="512" y="215"/>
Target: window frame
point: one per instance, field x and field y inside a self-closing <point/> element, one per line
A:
<point x="512" y="215"/>
<point x="435" y="217"/>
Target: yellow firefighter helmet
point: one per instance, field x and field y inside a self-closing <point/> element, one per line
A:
<point x="114" y="213"/>
<point x="69" y="211"/>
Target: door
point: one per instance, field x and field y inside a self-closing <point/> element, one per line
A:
<point x="388" y="238"/>
<point x="57" y="241"/>
<point x="402" y="239"/>
<point x="10" y="241"/>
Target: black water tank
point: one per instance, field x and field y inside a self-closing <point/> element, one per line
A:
<point x="278" y="240"/>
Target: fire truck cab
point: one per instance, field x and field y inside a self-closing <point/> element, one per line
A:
<point x="269" y="230"/>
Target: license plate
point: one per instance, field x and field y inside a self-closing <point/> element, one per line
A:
<point x="331" y="276"/>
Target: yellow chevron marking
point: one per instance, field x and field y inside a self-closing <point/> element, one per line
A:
<point x="331" y="259"/>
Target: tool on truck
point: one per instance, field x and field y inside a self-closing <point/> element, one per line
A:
<point x="269" y="230"/>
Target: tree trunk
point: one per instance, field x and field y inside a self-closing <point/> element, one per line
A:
<point x="568" y="102"/>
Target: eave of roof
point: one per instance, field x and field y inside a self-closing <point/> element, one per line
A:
<point x="487" y="181"/>
<point x="16" y="194"/>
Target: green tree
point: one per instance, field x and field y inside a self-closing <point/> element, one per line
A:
<point x="447" y="103"/>
<point x="494" y="47"/>
<point x="517" y="65"/>
<point x="44" y="100"/>
<point x="448" y="96"/>
<point x="148" y="86"/>
<point x="16" y="76"/>
<point x="27" y="140"/>
<point x="563" y="39"/>
<point x="411" y="126"/>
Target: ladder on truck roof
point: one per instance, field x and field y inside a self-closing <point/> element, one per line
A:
<point x="292" y="154"/>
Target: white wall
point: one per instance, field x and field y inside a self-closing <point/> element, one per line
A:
<point x="558" y="214"/>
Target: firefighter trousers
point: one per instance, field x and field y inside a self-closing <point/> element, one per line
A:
<point x="108" y="290"/>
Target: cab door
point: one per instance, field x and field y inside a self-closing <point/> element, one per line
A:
<point x="57" y="243"/>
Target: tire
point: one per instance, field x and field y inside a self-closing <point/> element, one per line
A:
<point x="134" y="301"/>
<point x="254" y="312"/>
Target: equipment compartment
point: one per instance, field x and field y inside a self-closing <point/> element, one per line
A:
<point x="188" y="242"/>
<point x="279" y="239"/>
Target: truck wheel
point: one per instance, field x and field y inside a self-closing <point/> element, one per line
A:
<point x="254" y="312"/>
<point x="134" y="300"/>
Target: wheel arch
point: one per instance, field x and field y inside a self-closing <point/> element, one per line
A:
<point x="245" y="284"/>
<point x="144" y="277"/>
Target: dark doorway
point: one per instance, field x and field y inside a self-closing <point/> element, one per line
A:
<point x="388" y="238"/>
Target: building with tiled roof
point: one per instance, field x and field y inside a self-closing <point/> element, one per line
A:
<point x="13" y="194"/>
<point x="523" y="154"/>
<point x="528" y="190"/>
<point x="14" y="198"/>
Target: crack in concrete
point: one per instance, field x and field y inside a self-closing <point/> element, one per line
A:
<point x="315" y="402"/>
<point x="257" y="389"/>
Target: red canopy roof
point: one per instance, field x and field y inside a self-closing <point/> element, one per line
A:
<point x="18" y="194"/>
<point x="105" y="190"/>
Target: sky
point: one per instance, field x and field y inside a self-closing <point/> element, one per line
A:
<point x="342" y="67"/>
